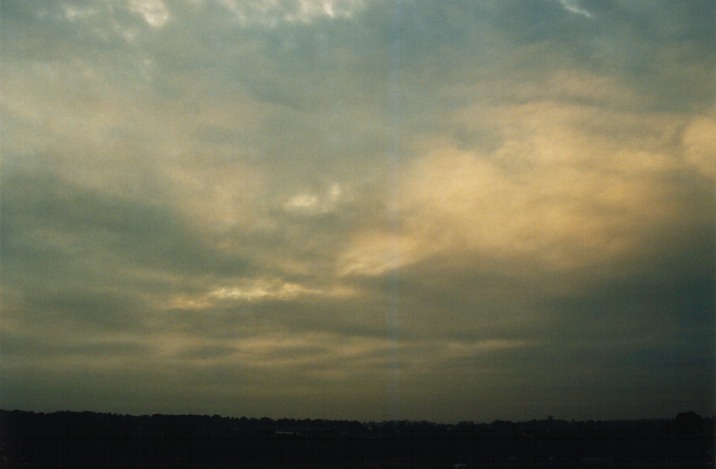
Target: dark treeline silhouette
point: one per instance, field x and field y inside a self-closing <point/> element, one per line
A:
<point x="90" y="439"/>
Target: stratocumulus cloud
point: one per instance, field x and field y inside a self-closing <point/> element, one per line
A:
<point x="371" y="209"/>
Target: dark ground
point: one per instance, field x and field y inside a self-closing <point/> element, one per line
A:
<point x="88" y="439"/>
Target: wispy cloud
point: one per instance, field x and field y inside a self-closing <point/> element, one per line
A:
<point x="572" y="6"/>
<point x="271" y="12"/>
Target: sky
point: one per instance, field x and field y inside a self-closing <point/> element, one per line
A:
<point x="359" y="209"/>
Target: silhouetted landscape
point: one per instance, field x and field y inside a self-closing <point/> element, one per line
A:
<point x="90" y="439"/>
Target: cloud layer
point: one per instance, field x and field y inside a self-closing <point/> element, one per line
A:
<point x="359" y="209"/>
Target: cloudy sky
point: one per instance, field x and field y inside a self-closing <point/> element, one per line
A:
<point x="364" y="209"/>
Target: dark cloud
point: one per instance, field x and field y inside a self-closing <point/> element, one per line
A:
<point x="64" y="225"/>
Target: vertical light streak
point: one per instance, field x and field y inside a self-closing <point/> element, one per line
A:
<point x="393" y="312"/>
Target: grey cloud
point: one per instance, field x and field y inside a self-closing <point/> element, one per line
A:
<point x="141" y="232"/>
<point x="24" y="346"/>
<point x="204" y="352"/>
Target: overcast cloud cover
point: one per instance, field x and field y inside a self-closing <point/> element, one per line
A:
<point x="366" y="209"/>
